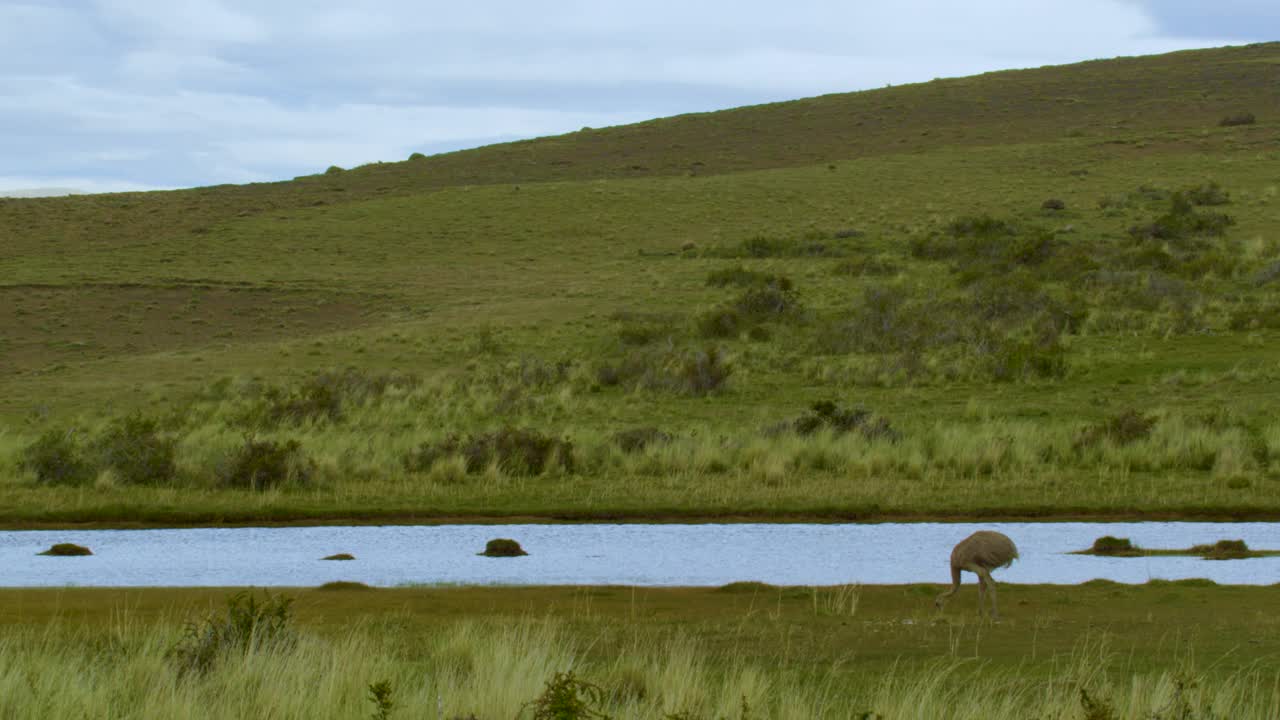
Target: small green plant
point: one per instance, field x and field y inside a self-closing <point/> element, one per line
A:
<point x="565" y="697"/>
<point x="249" y="625"/>
<point x="1095" y="708"/>
<point x="380" y="696"/>
<point x="135" y="449"/>
<point x="56" y="459"/>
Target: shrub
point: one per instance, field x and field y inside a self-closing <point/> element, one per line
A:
<point x="333" y="170"/>
<point x="344" y="585"/>
<point x="134" y="448"/>
<point x="249" y="625"/>
<point x="1053" y="204"/>
<point x="1182" y="221"/>
<point x="565" y="697"/>
<point x="637" y="439"/>
<point x="1011" y="360"/>
<point x="866" y="266"/>
<point x="265" y="464"/>
<point x="1210" y="194"/>
<point x="721" y="323"/>
<point x="67" y="550"/>
<point x="1128" y="427"/>
<point x="56" y="459"/>
<point x="417" y="156"/>
<point x="1244" y="118"/>
<point x="829" y="416"/>
<point x="503" y="547"/>
<point x="1109" y="545"/>
<point x="702" y="372"/>
<point x="515" y="451"/>
<point x="322" y="397"/>
<point x="737" y="276"/>
<point x="1223" y="550"/>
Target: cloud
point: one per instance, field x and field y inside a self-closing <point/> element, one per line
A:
<point x="173" y="92"/>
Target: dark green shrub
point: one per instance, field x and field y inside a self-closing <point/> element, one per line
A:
<point x="417" y="156"/>
<point x="1053" y="204"/>
<point x="249" y="625"/>
<point x="1244" y="118"/>
<point x="769" y="301"/>
<point x="266" y="464"/>
<point x="333" y="170"/>
<point x="637" y="439"/>
<point x="1012" y="360"/>
<point x="827" y="415"/>
<point x="322" y="397"/>
<point x="503" y="547"/>
<point x="1109" y="545"/>
<point x="344" y="585"/>
<point x="515" y="451"/>
<point x="56" y="459"/>
<point x="1182" y="222"/>
<point x="67" y="550"/>
<point x="380" y="696"/>
<point x="136" y="450"/>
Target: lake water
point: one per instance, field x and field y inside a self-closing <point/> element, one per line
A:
<point x="625" y="554"/>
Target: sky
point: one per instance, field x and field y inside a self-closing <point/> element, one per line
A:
<point x="106" y="95"/>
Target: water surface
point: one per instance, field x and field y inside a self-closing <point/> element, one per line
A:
<point x="627" y="554"/>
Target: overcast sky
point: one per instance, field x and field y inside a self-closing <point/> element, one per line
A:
<point x="139" y="94"/>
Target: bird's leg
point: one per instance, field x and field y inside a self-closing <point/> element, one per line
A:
<point x="982" y="593"/>
<point x="985" y="575"/>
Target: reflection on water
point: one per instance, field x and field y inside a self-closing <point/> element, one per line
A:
<point x="783" y="554"/>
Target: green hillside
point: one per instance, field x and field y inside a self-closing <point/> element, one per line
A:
<point x="1030" y="293"/>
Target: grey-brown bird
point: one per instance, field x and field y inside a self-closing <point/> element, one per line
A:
<point x="980" y="553"/>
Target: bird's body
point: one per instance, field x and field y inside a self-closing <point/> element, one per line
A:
<point x="980" y="553"/>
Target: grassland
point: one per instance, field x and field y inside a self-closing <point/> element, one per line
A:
<point x="1161" y="650"/>
<point x="477" y="334"/>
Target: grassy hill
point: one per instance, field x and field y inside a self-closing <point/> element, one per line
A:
<point x="1029" y="293"/>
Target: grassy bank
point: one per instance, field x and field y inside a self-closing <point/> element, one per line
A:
<point x="1167" y="650"/>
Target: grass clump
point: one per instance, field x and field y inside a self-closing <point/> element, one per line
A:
<point x="1243" y="118"/>
<point x="637" y="439"/>
<point x="515" y="451"/>
<point x="1125" y="428"/>
<point x="134" y="448"/>
<point x="1110" y="545"/>
<point x="686" y="372"/>
<point x="1182" y="221"/>
<point x="503" y="547"/>
<point x="266" y="464"/>
<point x="56" y="458"/>
<point x="1223" y="550"/>
<point x="344" y="585"/>
<point x="827" y="415"/>
<point x="249" y="625"/>
<point x="67" y="550"/>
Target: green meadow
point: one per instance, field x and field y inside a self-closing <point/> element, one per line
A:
<point x="1042" y="293"/>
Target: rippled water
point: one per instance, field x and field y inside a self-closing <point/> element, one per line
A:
<point x="711" y="554"/>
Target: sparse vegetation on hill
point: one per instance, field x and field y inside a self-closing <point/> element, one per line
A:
<point x="706" y="275"/>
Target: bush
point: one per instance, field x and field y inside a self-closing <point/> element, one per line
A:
<point x="67" y="550"/>
<point x="1053" y="204"/>
<point x="1182" y="221"/>
<point x="1109" y="545"/>
<point x="1223" y="550"/>
<point x="1244" y="118"/>
<point x="1210" y="194"/>
<point x="134" y="448"/>
<point x="1128" y="427"/>
<point x="689" y="372"/>
<point x="515" y="451"/>
<point x="866" y="266"/>
<point x="56" y="459"/>
<point x="721" y="323"/>
<point x="567" y="698"/>
<point x="637" y="439"/>
<point x="417" y="156"/>
<point x="503" y="547"/>
<point x="321" y="397"/>
<point x="737" y="276"/>
<point x="248" y="626"/>
<point x="266" y="464"/>
<point x="829" y="416"/>
<point x="333" y="170"/>
<point x="702" y="372"/>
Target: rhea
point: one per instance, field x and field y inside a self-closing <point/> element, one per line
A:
<point x="980" y="553"/>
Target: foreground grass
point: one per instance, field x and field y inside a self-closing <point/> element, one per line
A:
<point x="1167" y="650"/>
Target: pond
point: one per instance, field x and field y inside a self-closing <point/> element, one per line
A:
<point x="616" y="554"/>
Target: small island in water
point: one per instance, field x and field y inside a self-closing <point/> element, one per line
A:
<point x="1109" y="546"/>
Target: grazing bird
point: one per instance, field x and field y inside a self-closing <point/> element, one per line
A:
<point x="980" y="553"/>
